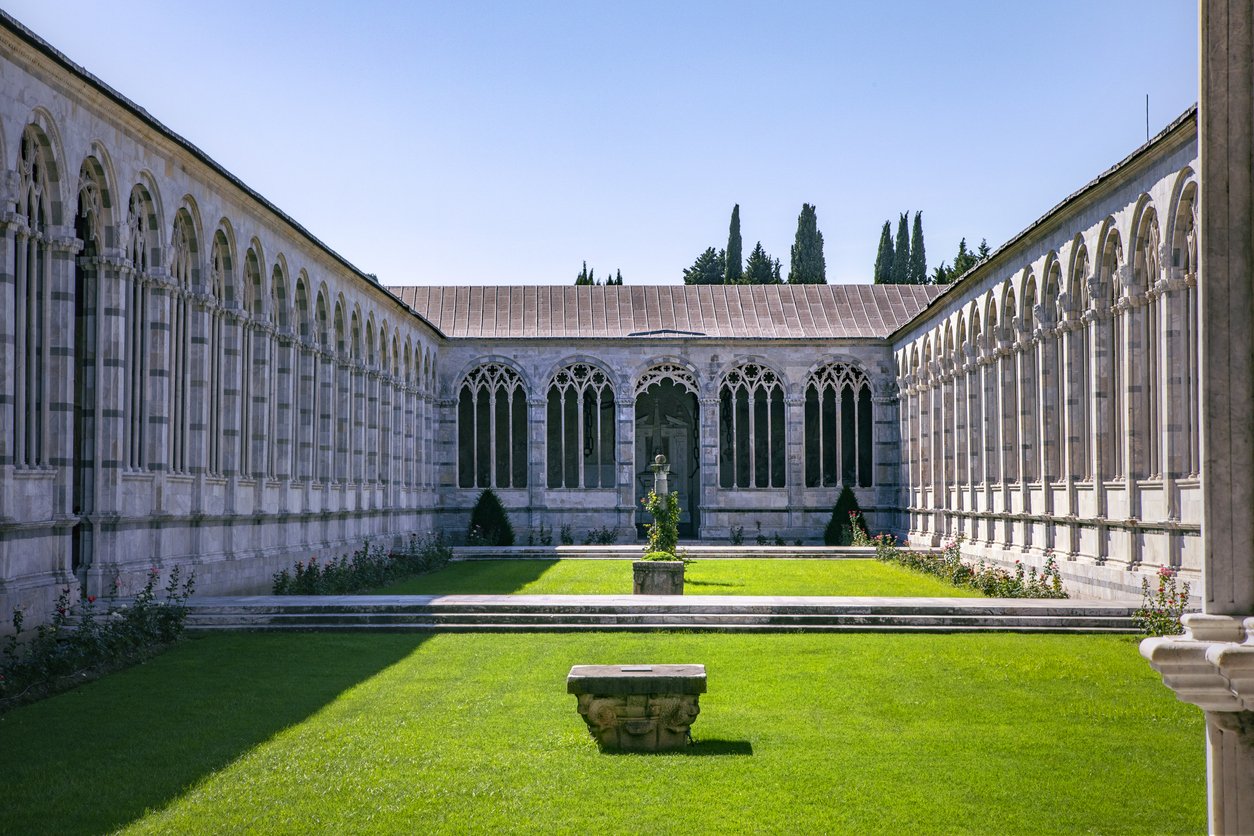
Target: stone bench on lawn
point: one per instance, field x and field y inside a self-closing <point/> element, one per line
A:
<point x="638" y="708"/>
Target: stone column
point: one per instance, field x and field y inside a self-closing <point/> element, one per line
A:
<point x="708" y="441"/>
<point x="1096" y="319"/>
<point x="537" y="443"/>
<point x="1212" y="664"/>
<point x="794" y="458"/>
<point x="886" y="454"/>
<point x="625" y="460"/>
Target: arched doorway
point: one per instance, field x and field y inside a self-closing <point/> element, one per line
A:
<point x="666" y="423"/>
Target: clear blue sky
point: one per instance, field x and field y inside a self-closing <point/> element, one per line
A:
<point x="467" y="142"/>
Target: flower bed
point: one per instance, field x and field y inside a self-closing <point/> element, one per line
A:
<point x="367" y="568"/>
<point x="992" y="581"/>
<point x="62" y="654"/>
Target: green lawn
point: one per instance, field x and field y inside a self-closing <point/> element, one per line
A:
<point x="702" y="577"/>
<point x="475" y="733"/>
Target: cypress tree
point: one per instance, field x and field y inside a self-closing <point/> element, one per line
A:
<point x="761" y="268"/>
<point x="918" y="257"/>
<point x="808" y="265"/>
<point x="901" y="256"/>
<point x="884" y="258"/>
<point x="583" y="277"/>
<point x="734" y="266"/>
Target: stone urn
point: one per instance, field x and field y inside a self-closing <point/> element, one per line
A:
<point x="638" y="708"/>
<point x="657" y="577"/>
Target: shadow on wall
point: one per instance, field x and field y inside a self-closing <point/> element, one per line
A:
<point x="139" y="739"/>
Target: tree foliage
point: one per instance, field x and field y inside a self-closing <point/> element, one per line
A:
<point x="588" y="277"/>
<point x="734" y="271"/>
<point x="964" y="260"/>
<point x="884" y="257"/>
<point x="839" y="531"/>
<point x="901" y="253"/>
<point x="489" y="524"/>
<point x="709" y="268"/>
<point x="761" y="268"/>
<point x="918" y="256"/>
<point x="807" y="265"/>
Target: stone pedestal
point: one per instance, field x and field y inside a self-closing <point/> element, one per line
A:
<point x="638" y="708"/>
<point x="657" y="577"/>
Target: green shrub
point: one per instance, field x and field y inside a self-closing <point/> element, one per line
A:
<point x="489" y="524"/>
<point x="1160" y="611"/>
<point x="601" y="537"/>
<point x="661" y="556"/>
<point x="664" y="530"/>
<point x="846" y="516"/>
<point x="366" y="568"/>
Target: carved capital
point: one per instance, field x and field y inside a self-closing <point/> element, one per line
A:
<point x="1211" y="665"/>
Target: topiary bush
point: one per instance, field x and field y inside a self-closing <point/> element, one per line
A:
<point x="489" y="524"/>
<point x="839" y="531"/>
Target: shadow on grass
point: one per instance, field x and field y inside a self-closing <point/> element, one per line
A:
<point x="101" y="756"/>
<point x="473" y="577"/>
<point x="697" y="749"/>
<point x="689" y="582"/>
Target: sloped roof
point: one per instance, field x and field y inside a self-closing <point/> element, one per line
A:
<point x="726" y="311"/>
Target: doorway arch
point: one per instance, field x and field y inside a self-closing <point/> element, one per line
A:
<point x="667" y="421"/>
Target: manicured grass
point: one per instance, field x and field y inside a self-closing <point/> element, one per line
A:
<point x="475" y="733"/>
<point x="701" y="577"/>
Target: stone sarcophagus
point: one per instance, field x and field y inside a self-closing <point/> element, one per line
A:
<point x="638" y="708"/>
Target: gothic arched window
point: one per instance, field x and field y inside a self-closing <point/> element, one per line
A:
<point x="492" y="429"/>
<point x="751" y="428"/>
<point x="581" y="437"/>
<point x="838" y="427"/>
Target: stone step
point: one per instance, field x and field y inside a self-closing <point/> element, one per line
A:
<point x="692" y="551"/>
<point x="420" y="627"/>
<point x="534" y="613"/>
<point x="642" y="618"/>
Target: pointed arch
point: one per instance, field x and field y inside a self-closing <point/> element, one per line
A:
<point x="752" y="426"/>
<point x="1111" y="386"/>
<point x="492" y="426"/>
<point x="580" y="429"/>
<point x="838" y="419"/>
<point x="184" y="272"/>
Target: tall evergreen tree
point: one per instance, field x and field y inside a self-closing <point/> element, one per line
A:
<point x="584" y="276"/>
<point x="901" y="256"/>
<point x="617" y="281"/>
<point x="761" y="268"/>
<point x="918" y="256"/>
<point x="709" y="268"/>
<point x="984" y="251"/>
<point x="884" y="258"/>
<point x="807" y="265"/>
<point x="734" y="263"/>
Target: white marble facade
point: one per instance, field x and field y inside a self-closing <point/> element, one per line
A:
<point x="1050" y="401"/>
<point x="191" y="378"/>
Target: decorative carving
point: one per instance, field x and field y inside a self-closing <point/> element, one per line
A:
<point x="647" y="708"/>
<point x="667" y="371"/>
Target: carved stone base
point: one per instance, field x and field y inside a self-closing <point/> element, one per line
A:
<point x="638" y="708"/>
<point x="657" y="577"/>
<point x="643" y="723"/>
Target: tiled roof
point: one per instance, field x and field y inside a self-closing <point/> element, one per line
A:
<point x="748" y="311"/>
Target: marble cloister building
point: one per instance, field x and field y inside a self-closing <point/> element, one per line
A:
<point x="188" y="377"/>
<point x="192" y="378"/>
